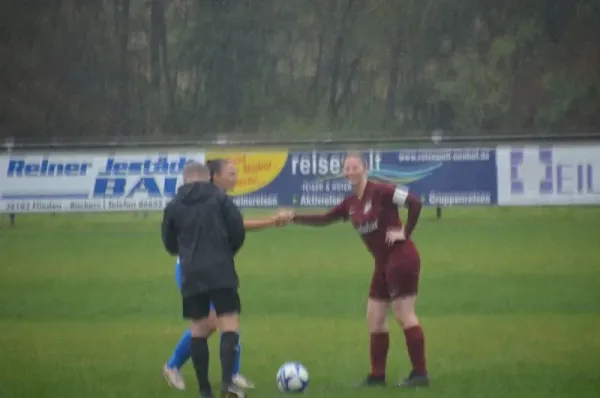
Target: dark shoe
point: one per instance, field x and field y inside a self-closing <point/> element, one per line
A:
<point x="372" y="381"/>
<point x="414" y="380"/>
<point x="206" y="394"/>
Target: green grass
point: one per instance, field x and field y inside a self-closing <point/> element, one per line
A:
<point x="510" y="303"/>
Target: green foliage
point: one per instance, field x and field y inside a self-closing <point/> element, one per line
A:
<point x="174" y="67"/>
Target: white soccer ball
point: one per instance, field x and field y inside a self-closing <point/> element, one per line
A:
<point x="292" y="377"/>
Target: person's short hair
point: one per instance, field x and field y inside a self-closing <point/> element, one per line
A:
<point x="194" y="171"/>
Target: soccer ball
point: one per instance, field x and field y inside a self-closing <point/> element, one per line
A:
<point x="292" y="377"/>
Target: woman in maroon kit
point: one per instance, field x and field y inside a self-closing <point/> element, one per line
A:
<point x="373" y="210"/>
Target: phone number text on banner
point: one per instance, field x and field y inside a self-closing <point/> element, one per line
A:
<point x="442" y="177"/>
<point x="122" y="181"/>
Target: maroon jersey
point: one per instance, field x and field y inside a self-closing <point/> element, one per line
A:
<point x="372" y="215"/>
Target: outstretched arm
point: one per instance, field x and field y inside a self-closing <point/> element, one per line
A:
<point x="320" y="220"/>
<point x="255" y="225"/>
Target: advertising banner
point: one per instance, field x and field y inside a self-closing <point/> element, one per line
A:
<point x="548" y="175"/>
<point x="442" y="177"/>
<point x="121" y="181"/>
<point x="129" y="181"/>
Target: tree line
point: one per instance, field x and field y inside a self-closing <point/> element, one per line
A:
<point x="195" y="68"/>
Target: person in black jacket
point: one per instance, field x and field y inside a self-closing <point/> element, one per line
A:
<point x="204" y="227"/>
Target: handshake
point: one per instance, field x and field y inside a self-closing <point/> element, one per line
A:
<point x="283" y="217"/>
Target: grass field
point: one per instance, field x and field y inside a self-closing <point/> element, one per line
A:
<point x="510" y="303"/>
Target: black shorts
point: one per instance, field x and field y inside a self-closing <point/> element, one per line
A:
<point x="224" y="301"/>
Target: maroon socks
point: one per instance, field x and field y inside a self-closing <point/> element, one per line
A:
<point x="380" y="344"/>
<point x="415" y="343"/>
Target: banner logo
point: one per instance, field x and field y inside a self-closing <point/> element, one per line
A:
<point x="540" y="166"/>
<point x="403" y="175"/>
<point x="255" y="170"/>
<point x="548" y="175"/>
<point x="539" y="171"/>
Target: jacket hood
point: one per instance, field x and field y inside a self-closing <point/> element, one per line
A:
<point x="196" y="192"/>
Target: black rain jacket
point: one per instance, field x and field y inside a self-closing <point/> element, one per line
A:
<point x="206" y="229"/>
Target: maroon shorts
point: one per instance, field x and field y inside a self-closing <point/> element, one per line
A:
<point x="399" y="278"/>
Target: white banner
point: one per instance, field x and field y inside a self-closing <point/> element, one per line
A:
<point x="90" y="182"/>
<point x="548" y="175"/>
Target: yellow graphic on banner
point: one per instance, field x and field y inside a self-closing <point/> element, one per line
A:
<point x="255" y="170"/>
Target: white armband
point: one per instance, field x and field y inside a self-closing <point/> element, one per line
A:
<point x="400" y="196"/>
